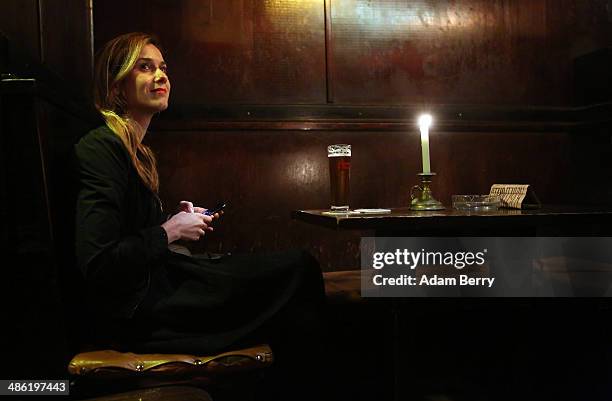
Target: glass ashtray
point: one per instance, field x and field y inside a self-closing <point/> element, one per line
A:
<point x="476" y="202"/>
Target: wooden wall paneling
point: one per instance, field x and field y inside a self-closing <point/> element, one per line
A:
<point x="29" y="269"/>
<point x="5" y="232"/>
<point x="586" y="24"/>
<point x="367" y="51"/>
<point x="49" y="40"/>
<point x="39" y="128"/>
<point x="19" y="22"/>
<point x="4" y="52"/>
<point x="457" y="118"/>
<point x="66" y="39"/>
<point x="471" y="51"/>
<point x="238" y="51"/>
<point x="591" y="164"/>
<point x="288" y="52"/>
<point x="109" y="20"/>
<point x="59" y="128"/>
<point x="329" y="53"/>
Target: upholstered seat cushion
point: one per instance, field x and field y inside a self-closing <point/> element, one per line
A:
<point x="112" y="365"/>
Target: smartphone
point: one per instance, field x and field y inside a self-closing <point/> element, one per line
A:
<point x="215" y="209"/>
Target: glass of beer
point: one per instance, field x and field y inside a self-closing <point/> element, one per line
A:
<point x="339" y="175"/>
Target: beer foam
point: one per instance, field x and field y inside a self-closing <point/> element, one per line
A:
<point x="339" y="150"/>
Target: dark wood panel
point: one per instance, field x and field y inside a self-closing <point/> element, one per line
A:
<point x="367" y="51"/>
<point x="592" y="78"/>
<point x="461" y="52"/>
<point x="19" y="22"/>
<point x="455" y="118"/>
<point x="37" y="141"/>
<point x="238" y="51"/>
<point x="66" y="42"/>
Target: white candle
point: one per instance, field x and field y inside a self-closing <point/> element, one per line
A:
<point x="424" y="124"/>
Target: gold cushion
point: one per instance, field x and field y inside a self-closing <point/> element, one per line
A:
<point x="109" y="364"/>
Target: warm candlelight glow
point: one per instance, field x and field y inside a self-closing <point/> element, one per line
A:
<point x="425" y="121"/>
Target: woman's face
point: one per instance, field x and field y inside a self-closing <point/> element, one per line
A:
<point x="147" y="87"/>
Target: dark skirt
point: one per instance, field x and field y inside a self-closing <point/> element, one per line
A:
<point x="204" y="306"/>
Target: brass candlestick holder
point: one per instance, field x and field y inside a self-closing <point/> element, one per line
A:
<point x="424" y="199"/>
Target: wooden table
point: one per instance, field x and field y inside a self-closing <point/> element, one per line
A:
<point x="477" y="321"/>
<point x="550" y="220"/>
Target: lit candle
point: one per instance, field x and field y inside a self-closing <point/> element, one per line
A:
<point x="424" y="124"/>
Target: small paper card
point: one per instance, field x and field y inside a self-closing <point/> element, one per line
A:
<point x="516" y="196"/>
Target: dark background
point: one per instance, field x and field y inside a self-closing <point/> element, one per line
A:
<point x="520" y="91"/>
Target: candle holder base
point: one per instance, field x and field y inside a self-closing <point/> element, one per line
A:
<point x="424" y="200"/>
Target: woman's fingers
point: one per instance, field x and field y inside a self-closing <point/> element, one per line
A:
<point x="205" y="225"/>
<point x="186" y="206"/>
<point x="192" y="226"/>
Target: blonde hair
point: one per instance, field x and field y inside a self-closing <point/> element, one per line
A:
<point x="114" y="62"/>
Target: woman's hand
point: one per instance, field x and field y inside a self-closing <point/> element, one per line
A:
<point x="187" y="207"/>
<point x="187" y="226"/>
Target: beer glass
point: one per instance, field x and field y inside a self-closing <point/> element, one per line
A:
<point x="339" y="175"/>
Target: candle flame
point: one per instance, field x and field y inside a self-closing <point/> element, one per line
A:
<point x="425" y="121"/>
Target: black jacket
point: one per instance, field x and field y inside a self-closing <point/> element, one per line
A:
<point x="118" y="232"/>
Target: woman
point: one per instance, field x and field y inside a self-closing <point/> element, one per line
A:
<point x="147" y="298"/>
